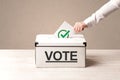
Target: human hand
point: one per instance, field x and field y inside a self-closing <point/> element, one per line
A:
<point x="79" y="26"/>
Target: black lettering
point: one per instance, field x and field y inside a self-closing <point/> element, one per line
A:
<point x="65" y="54"/>
<point x="73" y="56"/>
<point x="57" y="52"/>
<point x="48" y="56"/>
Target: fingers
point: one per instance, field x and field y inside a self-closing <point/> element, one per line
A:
<point x="78" y="27"/>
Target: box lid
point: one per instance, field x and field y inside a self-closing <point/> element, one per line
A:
<point x="51" y="40"/>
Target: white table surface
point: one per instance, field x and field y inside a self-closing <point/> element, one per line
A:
<point x="20" y="65"/>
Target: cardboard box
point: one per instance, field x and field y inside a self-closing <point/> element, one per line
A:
<point x="60" y="52"/>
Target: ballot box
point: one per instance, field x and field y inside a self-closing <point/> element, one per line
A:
<point x="60" y="52"/>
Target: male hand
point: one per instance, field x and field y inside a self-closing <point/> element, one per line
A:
<point x="79" y="26"/>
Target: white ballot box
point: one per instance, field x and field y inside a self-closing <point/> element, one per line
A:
<point x="60" y="52"/>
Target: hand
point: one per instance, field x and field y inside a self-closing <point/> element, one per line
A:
<point x="79" y="26"/>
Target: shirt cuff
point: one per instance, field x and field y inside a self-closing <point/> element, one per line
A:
<point x="87" y="22"/>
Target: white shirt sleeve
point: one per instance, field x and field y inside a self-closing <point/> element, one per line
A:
<point x="101" y="13"/>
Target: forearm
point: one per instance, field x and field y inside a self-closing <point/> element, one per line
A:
<point x="104" y="11"/>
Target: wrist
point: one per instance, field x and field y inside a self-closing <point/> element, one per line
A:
<point x="84" y="25"/>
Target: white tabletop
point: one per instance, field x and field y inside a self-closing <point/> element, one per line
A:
<point x="20" y="65"/>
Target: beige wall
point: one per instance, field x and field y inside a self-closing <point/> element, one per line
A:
<point x="22" y="20"/>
